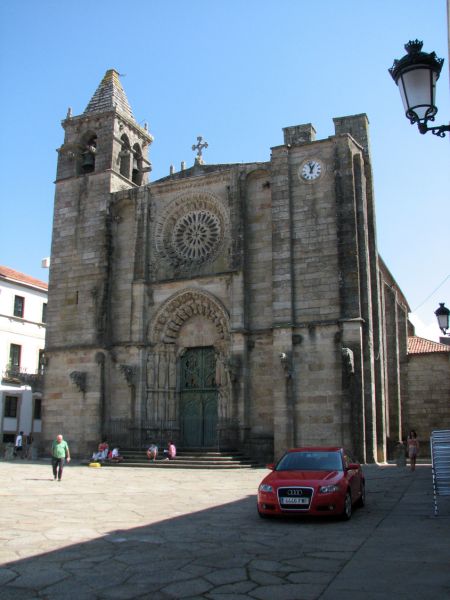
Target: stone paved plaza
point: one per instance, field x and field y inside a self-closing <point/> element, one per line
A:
<point x="115" y="533"/>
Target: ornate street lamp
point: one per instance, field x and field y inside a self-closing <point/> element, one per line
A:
<point x="416" y="75"/>
<point x="442" y="315"/>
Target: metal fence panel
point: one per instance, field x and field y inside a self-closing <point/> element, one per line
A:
<point x="440" y="458"/>
<point x="125" y="434"/>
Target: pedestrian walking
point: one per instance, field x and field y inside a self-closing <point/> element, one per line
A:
<point x="18" y="445"/>
<point x="413" y="448"/>
<point x="60" y="453"/>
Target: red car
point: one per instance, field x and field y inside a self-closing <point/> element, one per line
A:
<point x="312" y="481"/>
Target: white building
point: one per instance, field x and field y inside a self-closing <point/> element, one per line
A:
<point x="23" y="307"/>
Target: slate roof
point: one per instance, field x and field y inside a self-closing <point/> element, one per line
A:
<point x="418" y="345"/>
<point x="7" y="273"/>
<point x="110" y="95"/>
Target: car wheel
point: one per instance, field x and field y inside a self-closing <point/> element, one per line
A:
<point x="347" y="513"/>
<point x="362" y="498"/>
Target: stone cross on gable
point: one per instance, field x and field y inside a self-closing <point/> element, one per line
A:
<point x="199" y="147"/>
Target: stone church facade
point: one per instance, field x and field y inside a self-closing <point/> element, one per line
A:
<point x="230" y="306"/>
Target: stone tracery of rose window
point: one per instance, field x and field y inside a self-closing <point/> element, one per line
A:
<point x="191" y="231"/>
<point x="196" y="235"/>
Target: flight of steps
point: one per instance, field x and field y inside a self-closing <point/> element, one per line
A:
<point x="185" y="459"/>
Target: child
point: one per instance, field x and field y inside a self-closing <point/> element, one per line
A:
<point x="152" y="452"/>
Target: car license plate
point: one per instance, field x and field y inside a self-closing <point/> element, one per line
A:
<point x="295" y="500"/>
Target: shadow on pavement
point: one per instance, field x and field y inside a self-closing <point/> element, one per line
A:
<point x="228" y="552"/>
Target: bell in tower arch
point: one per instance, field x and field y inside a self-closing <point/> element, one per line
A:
<point x="137" y="172"/>
<point x="88" y="155"/>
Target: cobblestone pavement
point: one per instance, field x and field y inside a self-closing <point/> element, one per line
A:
<point x="115" y="533"/>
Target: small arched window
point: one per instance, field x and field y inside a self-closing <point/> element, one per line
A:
<point x="137" y="173"/>
<point x="88" y="151"/>
<point x="125" y="157"/>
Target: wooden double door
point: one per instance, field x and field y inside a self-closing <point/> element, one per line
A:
<point x="198" y="397"/>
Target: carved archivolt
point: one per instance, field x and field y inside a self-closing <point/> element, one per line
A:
<point x="182" y="306"/>
<point x="192" y="229"/>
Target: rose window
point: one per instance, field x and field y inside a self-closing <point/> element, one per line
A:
<point x="191" y="231"/>
<point x="196" y="235"/>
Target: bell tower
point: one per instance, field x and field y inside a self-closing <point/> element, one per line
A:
<point x="105" y="139"/>
<point x="104" y="151"/>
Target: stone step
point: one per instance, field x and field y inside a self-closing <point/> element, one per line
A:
<point x="185" y="459"/>
<point x="175" y="464"/>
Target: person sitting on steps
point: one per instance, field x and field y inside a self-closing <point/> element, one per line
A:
<point x="171" y="451"/>
<point x="152" y="452"/>
<point x="102" y="453"/>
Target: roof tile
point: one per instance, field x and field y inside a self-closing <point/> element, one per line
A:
<point x="418" y="345"/>
<point x="8" y="273"/>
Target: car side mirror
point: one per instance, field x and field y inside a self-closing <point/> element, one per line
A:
<point x="270" y="466"/>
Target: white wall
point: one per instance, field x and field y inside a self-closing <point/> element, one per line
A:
<point x="25" y="408"/>
<point x="27" y="332"/>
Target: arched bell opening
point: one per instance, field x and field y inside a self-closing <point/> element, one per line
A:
<point x="125" y="157"/>
<point x="87" y="154"/>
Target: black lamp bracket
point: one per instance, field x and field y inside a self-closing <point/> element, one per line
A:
<point x="439" y="131"/>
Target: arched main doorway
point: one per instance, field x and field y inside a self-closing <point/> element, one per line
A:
<point x="198" y="397"/>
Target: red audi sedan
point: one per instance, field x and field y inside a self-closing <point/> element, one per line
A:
<point x="312" y="481"/>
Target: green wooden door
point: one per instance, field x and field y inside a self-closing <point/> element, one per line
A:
<point x="198" y="397"/>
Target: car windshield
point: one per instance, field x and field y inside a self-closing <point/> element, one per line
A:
<point x="310" y="461"/>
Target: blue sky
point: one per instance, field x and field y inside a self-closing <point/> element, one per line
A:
<point x="236" y="72"/>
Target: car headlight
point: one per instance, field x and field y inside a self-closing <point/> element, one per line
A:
<point x="264" y="487"/>
<point x="328" y="489"/>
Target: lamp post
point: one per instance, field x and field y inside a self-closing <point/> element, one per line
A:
<point x="416" y="75"/>
<point x="442" y="315"/>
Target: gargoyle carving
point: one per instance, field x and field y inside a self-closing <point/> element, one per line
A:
<point x="129" y="373"/>
<point x="80" y="379"/>
<point x="348" y="360"/>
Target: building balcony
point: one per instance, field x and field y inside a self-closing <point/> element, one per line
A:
<point x="18" y="376"/>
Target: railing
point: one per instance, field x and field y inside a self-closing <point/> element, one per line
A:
<point x="19" y="376"/>
<point x="124" y="433"/>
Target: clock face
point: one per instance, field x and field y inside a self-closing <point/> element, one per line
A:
<point x="310" y="170"/>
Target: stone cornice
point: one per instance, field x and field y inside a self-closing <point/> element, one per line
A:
<point x="26" y="321"/>
<point x="221" y="274"/>
<point x="128" y="181"/>
<point x="80" y="119"/>
<point x="209" y="173"/>
<point x="193" y="180"/>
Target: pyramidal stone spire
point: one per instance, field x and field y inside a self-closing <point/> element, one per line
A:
<point x="110" y="95"/>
